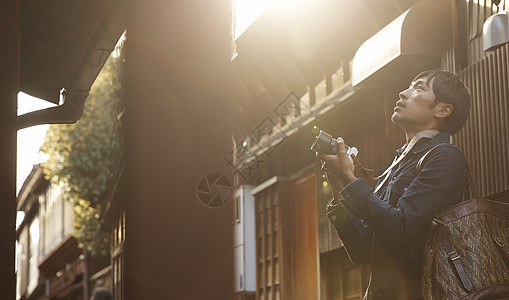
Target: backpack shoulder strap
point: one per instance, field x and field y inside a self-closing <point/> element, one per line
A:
<point x="423" y="158"/>
<point x="470" y="185"/>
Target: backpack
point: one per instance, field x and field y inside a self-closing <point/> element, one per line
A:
<point x="466" y="253"/>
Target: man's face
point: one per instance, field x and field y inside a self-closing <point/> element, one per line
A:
<point x="414" y="111"/>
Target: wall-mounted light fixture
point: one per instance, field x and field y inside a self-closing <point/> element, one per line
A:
<point x="495" y="31"/>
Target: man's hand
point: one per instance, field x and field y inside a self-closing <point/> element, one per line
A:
<point x="338" y="167"/>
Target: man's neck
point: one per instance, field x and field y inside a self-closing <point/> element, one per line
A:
<point x="409" y="136"/>
<point x="422" y="133"/>
<point x="411" y="133"/>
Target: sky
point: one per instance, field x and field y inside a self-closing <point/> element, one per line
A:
<point x="29" y="139"/>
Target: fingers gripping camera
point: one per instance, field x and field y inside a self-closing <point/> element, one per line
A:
<point x="324" y="144"/>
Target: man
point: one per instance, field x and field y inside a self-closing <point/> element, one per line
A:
<point x="100" y="293"/>
<point x="387" y="227"/>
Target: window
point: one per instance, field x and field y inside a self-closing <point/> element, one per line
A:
<point x="244" y="13"/>
<point x="33" y="255"/>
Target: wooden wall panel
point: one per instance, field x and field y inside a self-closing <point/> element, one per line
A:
<point x="287" y="241"/>
<point x="484" y="139"/>
<point x="304" y="239"/>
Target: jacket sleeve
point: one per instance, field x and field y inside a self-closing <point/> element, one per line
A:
<point x="353" y="233"/>
<point x="439" y="183"/>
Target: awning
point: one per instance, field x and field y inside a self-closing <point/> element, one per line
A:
<point x="413" y="41"/>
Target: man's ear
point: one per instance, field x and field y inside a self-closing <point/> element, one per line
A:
<point x="443" y="110"/>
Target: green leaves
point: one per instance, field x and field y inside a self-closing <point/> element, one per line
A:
<point x="87" y="228"/>
<point x="83" y="156"/>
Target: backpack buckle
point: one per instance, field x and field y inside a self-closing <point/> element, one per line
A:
<point x="453" y="255"/>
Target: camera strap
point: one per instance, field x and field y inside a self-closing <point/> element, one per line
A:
<point x="428" y="133"/>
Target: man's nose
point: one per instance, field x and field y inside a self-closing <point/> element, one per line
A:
<point x="403" y="95"/>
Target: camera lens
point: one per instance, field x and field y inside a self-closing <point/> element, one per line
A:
<point x="324" y="144"/>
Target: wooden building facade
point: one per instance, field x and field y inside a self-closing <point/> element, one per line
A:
<point x="292" y="70"/>
<point x="298" y="254"/>
<point x="49" y="263"/>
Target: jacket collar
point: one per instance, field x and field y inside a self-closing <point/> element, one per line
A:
<point x="426" y="143"/>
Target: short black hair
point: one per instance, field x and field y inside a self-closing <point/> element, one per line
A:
<point x="100" y="293"/>
<point x="448" y="88"/>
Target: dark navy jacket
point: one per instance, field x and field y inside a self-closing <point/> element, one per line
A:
<point x="388" y="229"/>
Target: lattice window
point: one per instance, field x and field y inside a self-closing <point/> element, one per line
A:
<point x="268" y="243"/>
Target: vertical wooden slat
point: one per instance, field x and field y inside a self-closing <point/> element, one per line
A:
<point x="458" y="138"/>
<point x="469" y="149"/>
<point x="473" y="117"/>
<point x="472" y="18"/>
<point x="492" y="117"/>
<point x="470" y="146"/>
<point x="476" y="144"/>
<point x="504" y="78"/>
<point x="481" y="155"/>
<point x="469" y="28"/>
<point x="475" y="50"/>
<point x="488" y="126"/>
<point x="486" y="11"/>
<point x="484" y="134"/>
<point x="477" y="129"/>
<point x="495" y="101"/>
<point x="499" y="121"/>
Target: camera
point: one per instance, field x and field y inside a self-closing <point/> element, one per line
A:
<point x="324" y="144"/>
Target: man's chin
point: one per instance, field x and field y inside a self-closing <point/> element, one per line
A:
<point x="394" y="118"/>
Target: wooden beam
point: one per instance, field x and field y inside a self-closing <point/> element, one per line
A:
<point x="9" y="82"/>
